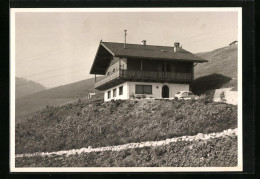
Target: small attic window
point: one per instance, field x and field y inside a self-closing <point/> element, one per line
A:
<point x="163" y="50"/>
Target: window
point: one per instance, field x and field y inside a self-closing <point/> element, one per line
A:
<point x="143" y="89"/>
<point x="120" y="90"/>
<point x="168" y="67"/>
<point x="114" y="92"/>
<point x="108" y="94"/>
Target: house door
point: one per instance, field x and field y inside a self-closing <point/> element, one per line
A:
<point x="165" y="91"/>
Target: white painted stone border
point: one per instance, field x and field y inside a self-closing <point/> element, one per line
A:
<point x="199" y="136"/>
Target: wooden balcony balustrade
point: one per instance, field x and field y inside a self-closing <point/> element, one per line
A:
<point x="152" y="76"/>
<point x="107" y="79"/>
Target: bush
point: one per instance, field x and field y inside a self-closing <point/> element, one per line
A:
<point x="159" y="151"/>
<point x="222" y="97"/>
<point x="179" y="117"/>
<point x="202" y="97"/>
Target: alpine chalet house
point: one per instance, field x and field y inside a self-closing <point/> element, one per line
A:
<point x="143" y="71"/>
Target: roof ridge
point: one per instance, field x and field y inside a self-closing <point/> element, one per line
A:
<point x="139" y="44"/>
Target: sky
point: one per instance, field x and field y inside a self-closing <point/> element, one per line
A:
<point x="58" y="48"/>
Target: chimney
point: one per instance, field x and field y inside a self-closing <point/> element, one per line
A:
<point x="177" y="47"/>
<point x="125" y="38"/>
<point x="144" y="42"/>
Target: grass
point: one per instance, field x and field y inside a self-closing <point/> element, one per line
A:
<point x="218" y="152"/>
<point x="96" y="123"/>
<point x="220" y="61"/>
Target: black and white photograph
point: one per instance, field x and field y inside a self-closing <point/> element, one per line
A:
<point x="126" y="89"/>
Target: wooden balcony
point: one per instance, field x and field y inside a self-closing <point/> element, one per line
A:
<point x="121" y="76"/>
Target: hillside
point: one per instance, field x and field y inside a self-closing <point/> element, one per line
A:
<point x="98" y="124"/>
<point x="54" y="97"/>
<point x="25" y="87"/>
<point x="220" y="61"/>
<point x="219" y="72"/>
<point x="215" y="152"/>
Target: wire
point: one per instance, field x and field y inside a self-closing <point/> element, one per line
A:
<point x="65" y="48"/>
<point x="199" y="36"/>
<point x="205" y="38"/>
<point x="35" y="74"/>
<point x="52" y="77"/>
<point x="64" y="67"/>
<point x="57" y="52"/>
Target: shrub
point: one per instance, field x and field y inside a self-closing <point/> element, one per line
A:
<point x="132" y="96"/>
<point x="179" y="117"/>
<point x="201" y="97"/>
<point x="118" y="102"/>
<point x="159" y="151"/>
<point x="129" y="163"/>
<point x="78" y="113"/>
<point x="222" y="97"/>
<point x="193" y="100"/>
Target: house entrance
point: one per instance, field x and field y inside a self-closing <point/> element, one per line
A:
<point x="165" y="91"/>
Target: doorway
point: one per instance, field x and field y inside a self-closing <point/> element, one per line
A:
<point x="165" y="91"/>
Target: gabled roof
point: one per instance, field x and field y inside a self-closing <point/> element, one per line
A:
<point x="143" y="51"/>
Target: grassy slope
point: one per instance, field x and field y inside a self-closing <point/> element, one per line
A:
<point x="219" y="72"/>
<point x="54" y="97"/>
<point x="25" y="87"/>
<point x="96" y="124"/>
<point x="221" y="61"/>
<point x="218" y="152"/>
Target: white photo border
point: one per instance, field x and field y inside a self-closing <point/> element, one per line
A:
<point x="13" y="11"/>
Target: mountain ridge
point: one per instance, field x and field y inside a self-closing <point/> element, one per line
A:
<point x="24" y="87"/>
<point x="54" y="96"/>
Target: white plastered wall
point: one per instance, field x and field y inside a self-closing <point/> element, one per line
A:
<point x="123" y="63"/>
<point x="157" y="88"/>
<point x="129" y="88"/>
<point x="125" y="94"/>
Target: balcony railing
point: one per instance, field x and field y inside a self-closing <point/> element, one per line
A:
<point x="107" y="79"/>
<point x="155" y="75"/>
<point x="146" y="76"/>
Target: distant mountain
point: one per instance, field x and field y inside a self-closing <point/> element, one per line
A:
<point x="220" y="61"/>
<point x="55" y="96"/>
<point x="25" y="87"/>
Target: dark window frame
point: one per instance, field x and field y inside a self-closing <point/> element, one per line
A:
<point x="143" y="90"/>
<point x="121" y="90"/>
<point x="109" y="94"/>
<point x="114" y="92"/>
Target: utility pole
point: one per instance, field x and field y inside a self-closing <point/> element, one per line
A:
<point x="125" y="39"/>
